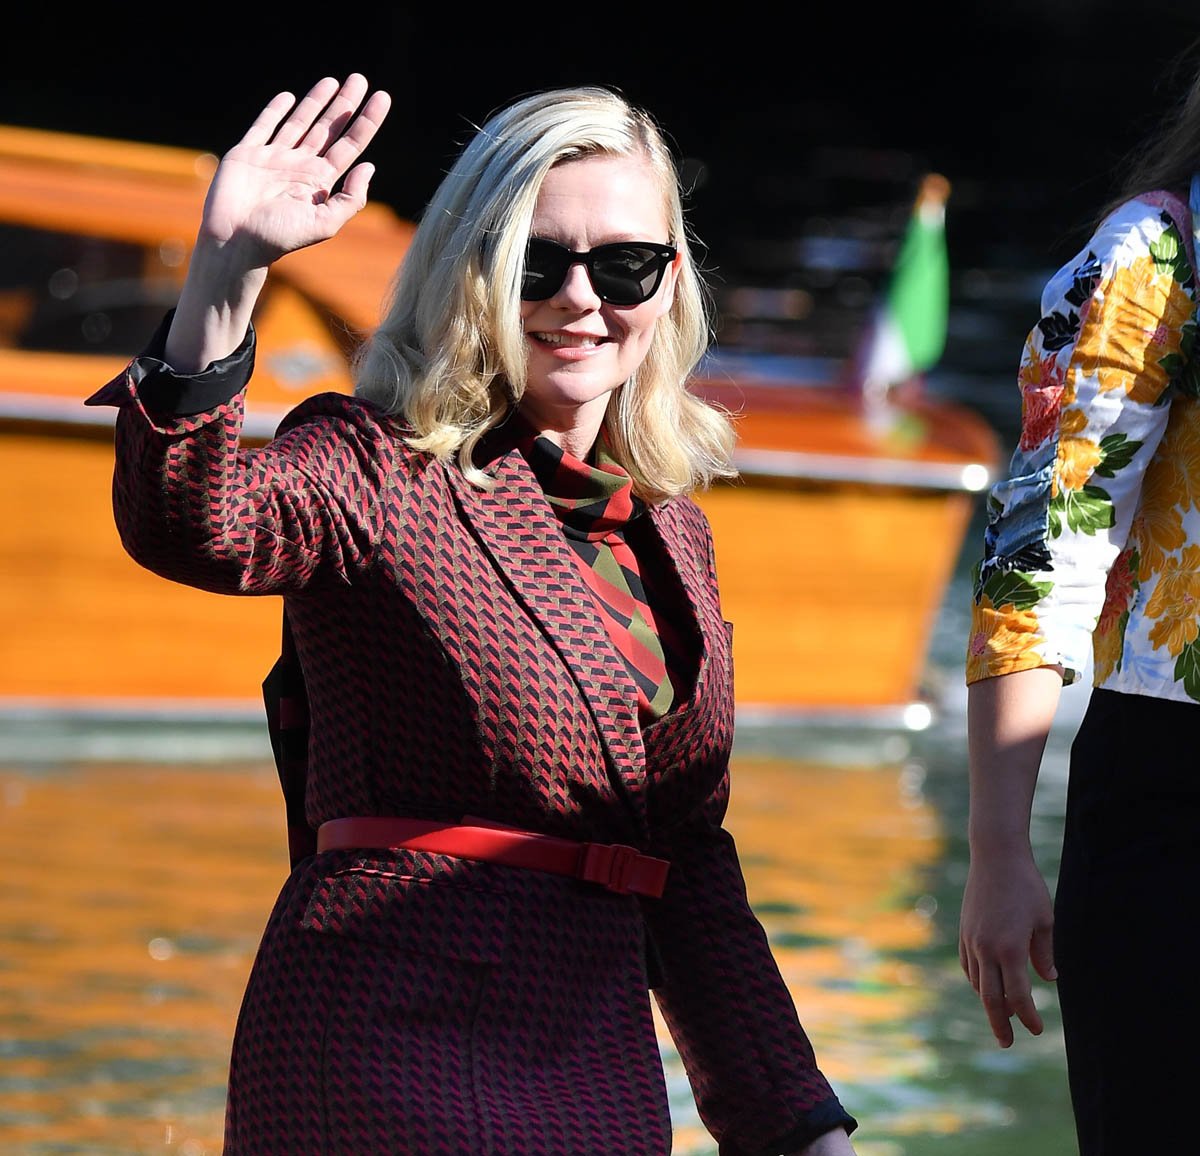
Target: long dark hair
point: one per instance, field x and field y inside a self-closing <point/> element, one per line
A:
<point x="1168" y="155"/>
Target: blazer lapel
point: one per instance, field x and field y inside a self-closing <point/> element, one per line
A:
<point x="520" y="533"/>
<point x="692" y="572"/>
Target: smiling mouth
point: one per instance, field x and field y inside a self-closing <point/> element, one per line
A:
<point x="568" y="340"/>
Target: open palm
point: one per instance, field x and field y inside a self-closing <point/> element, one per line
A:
<point x="274" y="191"/>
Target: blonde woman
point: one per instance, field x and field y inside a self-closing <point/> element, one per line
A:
<point x="504" y="710"/>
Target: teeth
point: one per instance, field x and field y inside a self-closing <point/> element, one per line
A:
<point x="568" y="339"/>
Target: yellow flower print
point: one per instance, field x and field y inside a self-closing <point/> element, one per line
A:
<point x="1074" y="422"/>
<point x="1036" y="371"/>
<point x="1181" y="447"/>
<point x="1176" y="602"/>
<point x="1127" y="333"/>
<point x="1158" y="527"/>
<point x="1106" y="652"/>
<point x="1077" y="459"/>
<point x="1002" y="640"/>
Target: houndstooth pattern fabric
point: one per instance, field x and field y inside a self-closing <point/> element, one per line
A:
<point x="405" y="1002"/>
<point x="454" y="664"/>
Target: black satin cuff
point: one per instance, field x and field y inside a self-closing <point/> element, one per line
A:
<point x="162" y="391"/>
<point x="824" y="1118"/>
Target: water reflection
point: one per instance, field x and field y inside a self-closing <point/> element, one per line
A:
<point x="135" y="893"/>
<point x="133" y="901"/>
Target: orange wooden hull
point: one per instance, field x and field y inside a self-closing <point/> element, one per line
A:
<point x="82" y="625"/>
<point x="833" y="589"/>
<point x="834" y="549"/>
<point x="837" y="545"/>
<point x="828" y="614"/>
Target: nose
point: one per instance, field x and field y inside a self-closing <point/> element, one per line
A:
<point x="577" y="292"/>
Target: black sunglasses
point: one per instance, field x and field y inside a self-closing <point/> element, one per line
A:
<point x="623" y="273"/>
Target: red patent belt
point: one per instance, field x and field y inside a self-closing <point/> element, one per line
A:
<point x="612" y="865"/>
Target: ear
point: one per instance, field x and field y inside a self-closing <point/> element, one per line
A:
<point x="666" y="297"/>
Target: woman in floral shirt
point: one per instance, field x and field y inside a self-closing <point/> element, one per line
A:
<point x="1093" y="545"/>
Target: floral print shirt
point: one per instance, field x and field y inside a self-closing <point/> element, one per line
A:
<point x="1093" y="540"/>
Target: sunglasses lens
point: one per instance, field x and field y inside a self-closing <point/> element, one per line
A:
<point x="546" y="267"/>
<point x="624" y="273"/>
<point x="627" y="274"/>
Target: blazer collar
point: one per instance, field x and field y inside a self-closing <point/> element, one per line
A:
<point x="520" y="533"/>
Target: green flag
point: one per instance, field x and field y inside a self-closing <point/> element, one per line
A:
<point x="907" y="333"/>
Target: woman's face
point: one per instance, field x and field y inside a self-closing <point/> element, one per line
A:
<point x="580" y="349"/>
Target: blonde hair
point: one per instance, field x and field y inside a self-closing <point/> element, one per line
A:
<point x="449" y="357"/>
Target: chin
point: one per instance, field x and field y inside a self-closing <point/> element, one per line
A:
<point x="573" y="392"/>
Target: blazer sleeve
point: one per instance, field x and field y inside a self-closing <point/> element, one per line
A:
<point x="195" y="506"/>
<point x="751" y="1065"/>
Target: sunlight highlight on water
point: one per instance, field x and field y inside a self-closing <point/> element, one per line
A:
<point x="135" y="893"/>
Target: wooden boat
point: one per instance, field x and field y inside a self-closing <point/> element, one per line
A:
<point x="101" y="231"/>
<point x="834" y="548"/>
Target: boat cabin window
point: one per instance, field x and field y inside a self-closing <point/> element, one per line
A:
<point x="68" y="293"/>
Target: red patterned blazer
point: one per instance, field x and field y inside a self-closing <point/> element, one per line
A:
<point x="454" y="665"/>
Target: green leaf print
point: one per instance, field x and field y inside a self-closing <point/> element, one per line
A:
<point x="1187" y="377"/>
<point x="1087" y="510"/>
<point x="1173" y="364"/>
<point x="1187" y="669"/>
<point x="1116" y="452"/>
<point x="1016" y="589"/>
<point x="1169" y="256"/>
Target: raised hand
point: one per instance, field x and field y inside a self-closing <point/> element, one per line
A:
<point x="274" y="191"/>
<point x="294" y="179"/>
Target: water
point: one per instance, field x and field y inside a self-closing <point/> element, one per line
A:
<point x="135" y="894"/>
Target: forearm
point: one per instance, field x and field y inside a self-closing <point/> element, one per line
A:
<point x="1008" y="722"/>
<point x="832" y="1143"/>
<point x="215" y="306"/>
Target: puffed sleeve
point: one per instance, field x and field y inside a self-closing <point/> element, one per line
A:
<point x="1095" y="378"/>
<point x="195" y="506"/>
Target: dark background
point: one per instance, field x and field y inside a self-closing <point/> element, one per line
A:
<point x="1011" y="100"/>
<point x="785" y="116"/>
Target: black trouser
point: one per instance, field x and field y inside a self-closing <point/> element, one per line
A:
<point x="1127" y="926"/>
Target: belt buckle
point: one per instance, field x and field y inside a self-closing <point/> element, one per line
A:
<point x="611" y="865"/>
